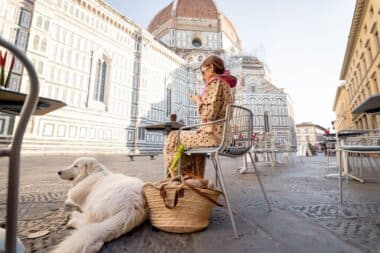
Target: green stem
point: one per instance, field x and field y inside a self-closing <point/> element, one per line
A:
<point x="2" y="76"/>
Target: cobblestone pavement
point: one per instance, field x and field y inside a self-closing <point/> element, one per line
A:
<point x="306" y="216"/>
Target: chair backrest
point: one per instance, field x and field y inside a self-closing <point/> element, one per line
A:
<point x="237" y="135"/>
<point x="15" y="148"/>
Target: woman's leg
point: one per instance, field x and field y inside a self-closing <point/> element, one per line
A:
<point x="189" y="164"/>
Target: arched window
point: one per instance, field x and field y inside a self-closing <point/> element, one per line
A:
<point x="39" y="21"/>
<point x="46" y="25"/>
<point x="100" y="80"/>
<point x="40" y="67"/>
<point x="69" y="57"/>
<point x="36" y="41"/>
<point x="280" y="101"/>
<point x="43" y="45"/>
<point x="266" y="101"/>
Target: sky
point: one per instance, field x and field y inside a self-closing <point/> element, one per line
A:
<point x="302" y="42"/>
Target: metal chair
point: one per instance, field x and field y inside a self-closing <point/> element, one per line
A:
<point x="12" y="243"/>
<point x="236" y="141"/>
<point x="365" y="144"/>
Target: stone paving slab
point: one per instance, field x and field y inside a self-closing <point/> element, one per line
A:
<point x="306" y="216"/>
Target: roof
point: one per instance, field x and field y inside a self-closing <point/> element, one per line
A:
<point x="310" y="124"/>
<point x="229" y="28"/>
<point x="185" y="8"/>
<point x="338" y="91"/>
<point x="354" y="33"/>
<point x="197" y="9"/>
<point x="193" y="11"/>
<point x="161" y="18"/>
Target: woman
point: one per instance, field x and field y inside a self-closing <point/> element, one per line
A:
<point x="211" y="105"/>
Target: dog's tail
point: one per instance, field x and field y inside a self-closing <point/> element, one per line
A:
<point x="90" y="237"/>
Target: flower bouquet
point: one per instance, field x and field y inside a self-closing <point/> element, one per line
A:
<point x="5" y="78"/>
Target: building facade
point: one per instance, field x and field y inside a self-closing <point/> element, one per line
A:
<point x="361" y="66"/>
<point x="114" y="76"/>
<point x="310" y="133"/>
<point x="256" y="92"/>
<point x="341" y="109"/>
<point x="195" y="29"/>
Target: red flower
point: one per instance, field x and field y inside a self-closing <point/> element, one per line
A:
<point x="4" y="80"/>
<point x="9" y="72"/>
<point x="3" y="60"/>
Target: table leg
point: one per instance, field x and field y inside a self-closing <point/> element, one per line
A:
<point x="245" y="167"/>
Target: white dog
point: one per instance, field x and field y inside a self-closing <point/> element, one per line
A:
<point x="111" y="205"/>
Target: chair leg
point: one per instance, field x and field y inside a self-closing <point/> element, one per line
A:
<point x="347" y="166"/>
<point x="244" y="169"/>
<point x="258" y="178"/>
<point x="341" y="161"/>
<point x="216" y="170"/>
<point x="221" y="178"/>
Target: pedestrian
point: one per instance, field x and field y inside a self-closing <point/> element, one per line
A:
<point x="211" y="105"/>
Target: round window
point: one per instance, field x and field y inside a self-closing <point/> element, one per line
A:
<point x="196" y="42"/>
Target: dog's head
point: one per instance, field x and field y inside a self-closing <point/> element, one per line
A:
<point x="81" y="168"/>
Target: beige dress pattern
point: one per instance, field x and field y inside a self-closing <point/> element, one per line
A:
<point x="212" y="107"/>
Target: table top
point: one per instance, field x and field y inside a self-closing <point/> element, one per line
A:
<point x="370" y="105"/>
<point x="171" y="125"/>
<point x="346" y="133"/>
<point x="11" y="102"/>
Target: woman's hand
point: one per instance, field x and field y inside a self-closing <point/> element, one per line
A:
<point x="197" y="99"/>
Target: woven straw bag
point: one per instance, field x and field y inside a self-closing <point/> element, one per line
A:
<point x="179" y="208"/>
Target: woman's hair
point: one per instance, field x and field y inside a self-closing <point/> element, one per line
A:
<point x="216" y="61"/>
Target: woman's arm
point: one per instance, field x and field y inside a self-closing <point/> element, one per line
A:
<point x="211" y="103"/>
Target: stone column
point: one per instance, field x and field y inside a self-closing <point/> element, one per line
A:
<point x="364" y="123"/>
<point x="369" y="121"/>
<point x="377" y="118"/>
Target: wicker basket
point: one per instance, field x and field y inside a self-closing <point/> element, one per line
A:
<point x="179" y="208"/>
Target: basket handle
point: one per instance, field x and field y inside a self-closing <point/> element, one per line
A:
<point x="194" y="189"/>
<point x="178" y="193"/>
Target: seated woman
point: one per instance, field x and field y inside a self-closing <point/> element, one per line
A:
<point x="211" y="105"/>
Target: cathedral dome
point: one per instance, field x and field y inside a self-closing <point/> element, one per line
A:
<point x="205" y="9"/>
<point x="192" y="15"/>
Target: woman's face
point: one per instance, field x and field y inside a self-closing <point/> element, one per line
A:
<point x="207" y="73"/>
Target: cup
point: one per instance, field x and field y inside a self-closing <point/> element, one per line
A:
<point x="173" y="117"/>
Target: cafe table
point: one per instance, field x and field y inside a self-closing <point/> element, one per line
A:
<point x="165" y="127"/>
<point x="339" y="139"/>
<point x="11" y="103"/>
<point x="371" y="106"/>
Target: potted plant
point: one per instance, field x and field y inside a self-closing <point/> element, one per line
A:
<point x="5" y="78"/>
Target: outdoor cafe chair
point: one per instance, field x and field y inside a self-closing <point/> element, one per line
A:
<point x="236" y="142"/>
<point x="12" y="243"/>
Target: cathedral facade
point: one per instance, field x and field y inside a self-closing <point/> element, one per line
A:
<point x="117" y="77"/>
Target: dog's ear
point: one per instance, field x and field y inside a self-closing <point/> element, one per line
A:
<point x="90" y="167"/>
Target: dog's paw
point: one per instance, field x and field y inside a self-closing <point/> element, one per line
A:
<point x="69" y="203"/>
<point x="71" y="224"/>
<point x="243" y="170"/>
<point x="76" y="219"/>
<point x="70" y="206"/>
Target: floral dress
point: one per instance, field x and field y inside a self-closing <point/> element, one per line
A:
<point x="212" y="107"/>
